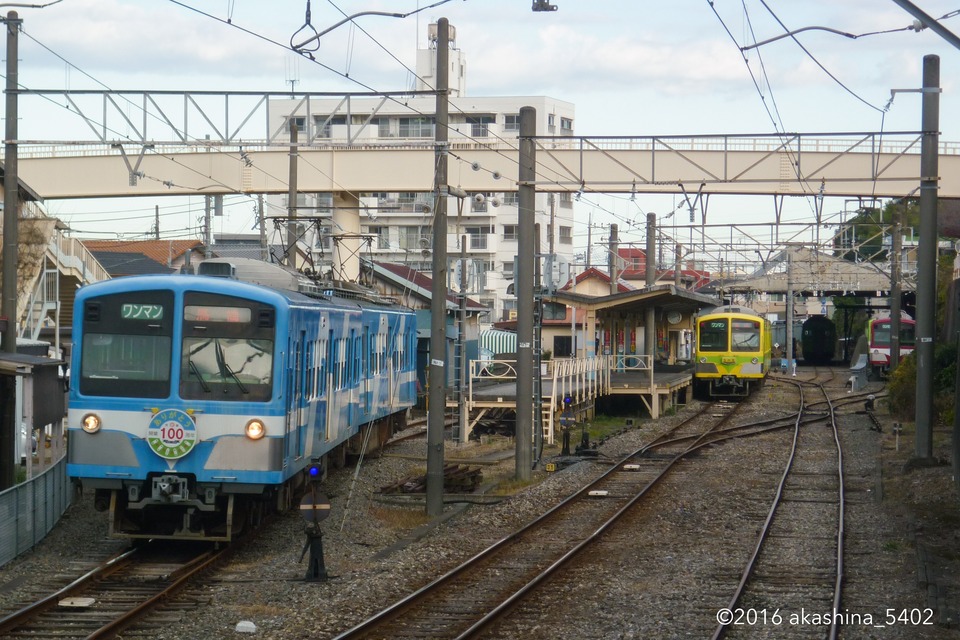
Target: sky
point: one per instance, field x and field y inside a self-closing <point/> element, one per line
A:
<point x="630" y="68"/>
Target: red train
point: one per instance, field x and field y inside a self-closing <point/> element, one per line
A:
<point x="879" y="331"/>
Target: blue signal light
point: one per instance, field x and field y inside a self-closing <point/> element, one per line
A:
<point x="315" y="470"/>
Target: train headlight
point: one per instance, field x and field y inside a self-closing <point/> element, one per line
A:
<point x="755" y="360"/>
<point x="90" y="423"/>
<point x="703" y="359"/>
<point x="255" y="429"/>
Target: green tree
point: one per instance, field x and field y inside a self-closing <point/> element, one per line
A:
<point x="861" y="238"/>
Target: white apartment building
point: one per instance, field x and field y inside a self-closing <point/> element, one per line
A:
<point x="399" y="226"/>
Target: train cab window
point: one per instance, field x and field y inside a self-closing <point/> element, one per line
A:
<point x="126" y="341"/>
<point x="881" y="335"/>
<point x="227" y="349"/>
<point x="745" y="335"/>
<point x="713" y="335"/>
<point x="908" y="335"/>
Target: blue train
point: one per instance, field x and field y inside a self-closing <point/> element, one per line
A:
<point x="199" y="403"/>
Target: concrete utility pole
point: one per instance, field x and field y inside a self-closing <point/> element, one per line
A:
<point x="11" y="196"/>
<point x="291" y="244"/>
<point x="677" y="265"/>
<point x="789" y="328"/>
<point x="207" y="228"/>
<point x="437" y="399"/>
<point x="650" y="316"/>
<point x="927" y="258"/>
<point x="9" y="421"/>
<point x="262" y="223"/>
<point x="462" y="347"/>
<point x="895" y="289"/>
<point x="612" y="250"/>
<point x="524" y="284"/>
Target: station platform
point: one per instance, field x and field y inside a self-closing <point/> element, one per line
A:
<point x="582" y="380"/>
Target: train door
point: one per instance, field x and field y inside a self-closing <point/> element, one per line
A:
<point x="295" y="408"/>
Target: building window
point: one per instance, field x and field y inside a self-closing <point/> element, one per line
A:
<point x="478" y="237"/>
<point x="410" y="238"/>
<point x="509" y="310"/>
<point x="511" y="122"/>
<point x="323" y="125"/>
<point x="551" y="120"/>
<point x="511" y="198"/>
<point x="300" y="121"/>
<point x="480" y="125"/>
<point x="478" y="207"/>
<point x="419" y="127"/>
<point x="566" y="200"/>
<point x="508" y="269"/>
<point x="566" y="124"/>
<point x="510" y="232"/>
<point x="383" y="127"/>
<point x="380" y="233"/>
<point x="566" y="235"/>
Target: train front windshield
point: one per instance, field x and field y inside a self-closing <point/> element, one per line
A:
<point x="745" y="335"/>
<point x="227" y="349"/>
<point x="713" y="335"/>
<point x="881" y="335"/>
<point x="126" y="345"/>
<point x="883" y="330"/>
<point x="128" y="350"/>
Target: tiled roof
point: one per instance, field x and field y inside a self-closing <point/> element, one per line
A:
<point x="160" y="251"/>
<point x="424" y="282"/>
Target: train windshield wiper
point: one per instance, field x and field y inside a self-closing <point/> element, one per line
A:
<point x="195" y="371"/>
<point x="225" y="369"/>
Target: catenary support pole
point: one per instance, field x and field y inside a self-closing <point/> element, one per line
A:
<point x="437" y="398"/>
<point x="9" y="421"/>
<point x="524" y="289"/>
<point x="927" y="255"/>
<point x="11" y="200"/>
<point x="895" y="288"/>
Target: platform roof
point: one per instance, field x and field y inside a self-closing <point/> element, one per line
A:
<point x="661" y="296"/>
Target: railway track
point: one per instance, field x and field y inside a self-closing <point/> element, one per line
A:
<point x="796" y="567"/>
<point x="113" y="595"/>
<point x="471" y="599"/>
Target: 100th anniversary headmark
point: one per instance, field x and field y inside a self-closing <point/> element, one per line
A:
<point x="172" y="434"/>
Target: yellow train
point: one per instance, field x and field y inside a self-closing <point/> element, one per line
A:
<point x="732" y="352"/>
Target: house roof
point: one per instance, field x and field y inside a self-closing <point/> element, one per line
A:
<point x="120" y="263"/>
<point x="419" y="284"/>
<point x="594" y="273"/>
<point x="162" y="251"/>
